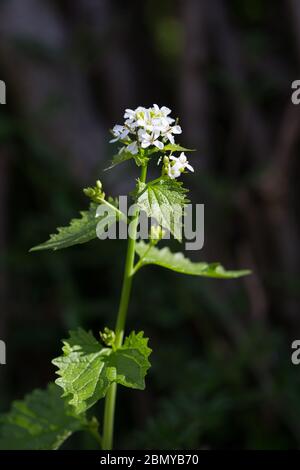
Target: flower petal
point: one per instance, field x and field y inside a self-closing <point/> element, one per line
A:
<point x="158" y="144"/>
<point x="176" y="130"/>
<point x="189" y="167"/>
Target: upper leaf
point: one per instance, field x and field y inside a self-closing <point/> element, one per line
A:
<point x="42" y="421"/>
<point x="179" y="263"/>
<point x="87" y="368"/>
<point x="119" y="158"/>
<point x="164" y="200"/>
<point x="80" y="230"/>
<point x="141" y="159"/>
<point x="170" y="148"/>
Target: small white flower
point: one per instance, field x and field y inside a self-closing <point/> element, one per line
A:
<point x="173" y="172"/>
<point x="133" y="148"/>
<point x="150" y="139"/>
<point x="156" y="109"/>
<point x="131" y="124"/>
<point x="181" y="163"/>
<point x="145" y="121"/>
<point x="165" y="111"/>
<point x="176" y="129"/>
<point x="162" y="113"/>
<point x="129" y="114"/>
<point x="168" y="133"/>
<point x="119" y="132"/>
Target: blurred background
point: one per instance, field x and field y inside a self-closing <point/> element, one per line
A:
<point x="221" y="373"/>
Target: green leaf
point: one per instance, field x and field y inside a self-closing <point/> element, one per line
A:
<point x="131" y="361"/>
<point x="171" y="148"/>
<point x="142" y="159"/>
<point x="119" y="158"/>
<point x="163" y="200"/>
<point x="179" y="263"/>
<point x="42" y="421"/>
<point x="87" y="369"/>
<point x="81" y="230"/>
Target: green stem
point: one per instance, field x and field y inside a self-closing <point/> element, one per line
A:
<point x="96" y="436"/>
<point x="120" y="213"/>
<point x="139" y="264"/>
<point x="110" y="399"/>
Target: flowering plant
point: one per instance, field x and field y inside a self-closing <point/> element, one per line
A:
<point x="91" y="367"/>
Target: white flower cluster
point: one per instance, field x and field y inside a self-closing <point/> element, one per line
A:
<point x="146" y="127"/>
<point x="151" y="127"/>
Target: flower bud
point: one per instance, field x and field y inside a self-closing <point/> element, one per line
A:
<point x="156" y="233"/>
<point x="95" y="194"/>
<point x="108" y="336"/>
<point x="89" y="192"/>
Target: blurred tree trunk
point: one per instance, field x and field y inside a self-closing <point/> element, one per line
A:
<point x="277" y="196"/>
<point x="113" y="66"/>
<point x="115" y="74"/>
<point x="248" y="123"/>
<point x="4" y="184"/>
<point x="35" y="50"/>
<point x="4" y="177"/>
<point x="294" y="11"/>
<point x="195" y="100"/>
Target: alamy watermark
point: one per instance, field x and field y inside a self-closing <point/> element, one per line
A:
<point x="185" y="223"/>
<point x="295" y="357"/>
<point x="295" y="96"/>
<point x="2" y="352"/>
<point x="2" y="92"/>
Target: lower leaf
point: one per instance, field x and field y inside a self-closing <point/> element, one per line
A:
<point x="87" y="369"/>
<point x="42" y="421"/>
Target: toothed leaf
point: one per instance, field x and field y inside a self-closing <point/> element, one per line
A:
<point x="87" y="368"/>
<point x="179" y="263"/>
<point x="164" y="201"/>
<point x="42" y="421"/>
<point x="80" y="230"/>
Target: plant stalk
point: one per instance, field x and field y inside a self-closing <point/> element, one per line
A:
<point x="110" y="399"/>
